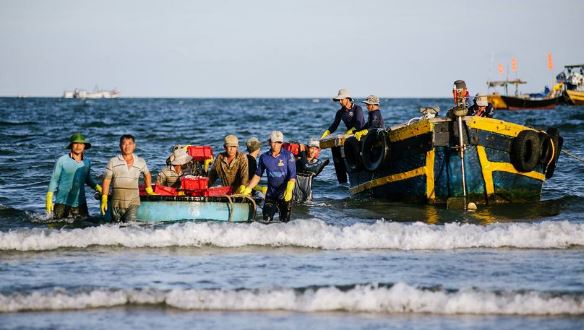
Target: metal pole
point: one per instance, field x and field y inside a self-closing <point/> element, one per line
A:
<point x="461" y="151"/>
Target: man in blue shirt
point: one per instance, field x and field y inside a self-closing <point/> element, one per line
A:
<point x="280" y="166"/>
<point x="71" y="173"/>
<point x="350" y="113"/>
<point x="375" y="120"/>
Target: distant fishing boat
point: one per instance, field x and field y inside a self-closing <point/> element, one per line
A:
<point x="521" y="101"/>
<point x="446" y="161"/>
<point x="573" y="80"/>
<point x="96" y="94"/>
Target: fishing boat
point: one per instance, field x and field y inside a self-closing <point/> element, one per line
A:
<point x="155" y="209"/>
<point x="95" y="94"/>
<point x="573" y="80"/>
<point x="521" y="101"/>
<point x="530" y="102"/>
<point x="451" y="161"/>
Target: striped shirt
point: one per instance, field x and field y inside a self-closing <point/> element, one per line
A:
<point x="169" y="177"/>
<point x="125" y="180"/>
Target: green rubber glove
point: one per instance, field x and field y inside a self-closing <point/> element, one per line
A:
<point x="103" y="206"/>
<point x="98" y="189"/>
<point x="325" y="134"/>
<point x="289" y="190"/>
<point x="49" y="203"/>
<point x="359" y="135"/>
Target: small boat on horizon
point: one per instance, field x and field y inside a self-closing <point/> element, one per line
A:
<point x="573" y="81"/>
<point x="95" y="94"/>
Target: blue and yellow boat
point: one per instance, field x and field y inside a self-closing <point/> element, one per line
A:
<point x="448" y="160"/>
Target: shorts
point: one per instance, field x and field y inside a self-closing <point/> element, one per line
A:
<point x="124" y="214"/>
<point x="61" y="211"/>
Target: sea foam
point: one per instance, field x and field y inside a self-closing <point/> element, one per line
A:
<point x="305" y="233"/>
<point x="370" y="298"/>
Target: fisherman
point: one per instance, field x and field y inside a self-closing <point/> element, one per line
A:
<point x="280" y="166"/>
<point x="350" y="113"/>
<point x="230" y="166"/>
<point x="171" y="174"/>
<point x="72" y="171"/>
<point x="123" y="172"/>
<point x="307" y="167"/>
<point x="461" y="100"/>
<point x="253" y="145"/>
<point x="481" y="107"/>
<point x="374" y="120"/>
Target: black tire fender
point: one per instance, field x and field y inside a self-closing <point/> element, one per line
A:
<point x="375" y="149"/>
<point x="526" y="151"/>
<point x="352" y="149"/>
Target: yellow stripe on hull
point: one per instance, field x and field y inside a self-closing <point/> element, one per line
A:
<point x="489" y="167"/>
<point x="576" y="97"/>
<point x="495" y="126"/>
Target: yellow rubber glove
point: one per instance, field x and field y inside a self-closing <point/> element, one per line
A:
<point x="49" y="203"/>
<point x="246" y="191"/>
<point x="325" y="134"/>
<point x="289" y="190"/>
<point x="103" y="206"/>
<point x="98" y="188"/>
<point x="180" y="193"/>
<point x="241" y="189"/>
<point x="207" y="163"/>
<point x="360" y="134"/>
<point x="150" y="192"/>
<point x="262" y="189"/>
<point x="350" y="131"/>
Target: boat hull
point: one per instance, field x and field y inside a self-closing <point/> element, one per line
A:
<point x="424" y="165"/>
<point x="517" y="103"/>
<point x="157" y="209"/>
<point x="497" y="101"/>
<point x="575" y="97"/>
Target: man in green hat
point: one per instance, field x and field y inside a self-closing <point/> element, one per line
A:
<point x="71" y="173"/>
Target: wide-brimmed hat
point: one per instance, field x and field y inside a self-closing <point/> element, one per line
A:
<point x="78" y="138"/>
<point x="277" y="136"/>
<point x="253" y="144"/>
<point x="180" y="157"/>
<point x="372" y="99"/>
<point x="481" y="100"/>
<point x="342" y="94"/>
<point x="314" y="143"/>
<point x="231" y="141"/>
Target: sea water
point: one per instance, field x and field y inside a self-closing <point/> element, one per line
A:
<point x="340" y="263"/>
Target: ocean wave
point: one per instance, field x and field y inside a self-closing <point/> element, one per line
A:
<point x="305" y="233"/>
<point x="369" y="298"/>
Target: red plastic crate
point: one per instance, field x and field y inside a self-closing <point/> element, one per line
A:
<point x="194" y="183"/>
<point x="200" y="152"/>
<point x="165" y="191"/>
<point x="294" y="148"/>
<point x="196" y="193"/>
<point x="219" y="191"/>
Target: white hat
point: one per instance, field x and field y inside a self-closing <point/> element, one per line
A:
<point x="277" y="136"/>
<point x="180" y="157"/>
<point x="342" y="94"/>
<point x="314" y="143"/>
<point x="231" y="141"/>
<point x="481" y="100"/>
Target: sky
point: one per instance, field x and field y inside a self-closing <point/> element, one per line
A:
<point x="271" y="48"/>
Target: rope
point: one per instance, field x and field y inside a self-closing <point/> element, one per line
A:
<point x="250" y="199"/>
<point x="573" y="156"/>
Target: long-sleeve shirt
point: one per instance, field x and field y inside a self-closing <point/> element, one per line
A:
<point x="353" y="118"/>
<point x="374" y="120"/>
<point x="234" y="174"/>
<point x="280" y="169"/>
<point x="69" y="179"/>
